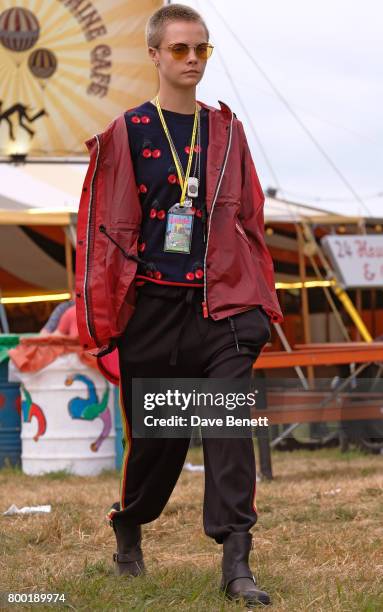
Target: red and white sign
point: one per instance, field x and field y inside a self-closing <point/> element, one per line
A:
<point x="357" y="259"/>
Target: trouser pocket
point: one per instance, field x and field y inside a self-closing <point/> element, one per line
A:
<point x="250" y="328"/>
<point x="234" y="330"/>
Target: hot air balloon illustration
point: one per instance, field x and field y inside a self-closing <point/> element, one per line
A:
<point x="19" y="29"/>
<point x="42" y="63"/>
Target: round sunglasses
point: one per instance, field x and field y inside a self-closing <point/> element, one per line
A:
<point x="180" y="51"/>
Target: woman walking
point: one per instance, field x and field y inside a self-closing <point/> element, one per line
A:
<point x="172" y="268"/>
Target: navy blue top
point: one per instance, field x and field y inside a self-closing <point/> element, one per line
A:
<point x="159" y="189"/>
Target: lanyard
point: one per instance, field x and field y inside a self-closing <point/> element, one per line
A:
<point x="182" y="179"/>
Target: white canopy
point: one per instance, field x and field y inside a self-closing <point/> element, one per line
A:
<point x="45" y="186"/>
<point x="57" y="188"/>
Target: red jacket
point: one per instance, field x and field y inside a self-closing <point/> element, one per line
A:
<point x="238" y="267"/>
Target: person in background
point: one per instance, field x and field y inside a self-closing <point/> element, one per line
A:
<point x="68" y="324"/>
<point x="51" y="325"/>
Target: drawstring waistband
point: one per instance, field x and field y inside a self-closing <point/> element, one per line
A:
<point x="184" y="298"/>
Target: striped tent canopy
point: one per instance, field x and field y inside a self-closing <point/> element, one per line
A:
<point x="32" y="253"/>
<point x="38" y="205"/>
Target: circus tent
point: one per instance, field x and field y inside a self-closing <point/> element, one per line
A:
<point x="38" y="204"/>
<point x="37" y="218"/>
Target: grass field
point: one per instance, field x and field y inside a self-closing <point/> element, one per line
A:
<point x="318" y="541"/>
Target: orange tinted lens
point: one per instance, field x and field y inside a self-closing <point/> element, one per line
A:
<point x="204" y="51"/>
<point x="180" y="50"/>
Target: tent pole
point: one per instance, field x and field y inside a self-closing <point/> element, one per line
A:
<point x="68" y="259"/>
<point x="304" y="299"/>
<point x="330" y="301"/>
<point x="373" y="308"/>
<point x="359" y="305"/>
<point x="351" y="311"/>
<point x="4" y="327"/>
<point x="337" y="289"/>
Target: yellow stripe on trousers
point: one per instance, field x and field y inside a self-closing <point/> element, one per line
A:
<point x="127" y="446"/>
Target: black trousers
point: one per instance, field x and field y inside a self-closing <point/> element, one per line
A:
<point x="168" y="337"/>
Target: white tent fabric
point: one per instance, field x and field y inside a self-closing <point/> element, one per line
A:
<point x="288" y="212"/>
<point x="58" y="187"/>
<point x="47" y="186"/>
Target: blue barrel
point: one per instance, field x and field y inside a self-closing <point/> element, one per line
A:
<point x="7" y="341"/>
<point x="10" y="424"/>
<point x="10" y="407"/>
<point x="119" y="429"/>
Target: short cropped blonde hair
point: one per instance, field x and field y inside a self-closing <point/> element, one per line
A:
<point x="166" y="14"/>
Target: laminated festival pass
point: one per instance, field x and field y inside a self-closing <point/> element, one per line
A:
<point x="179" y="228"/>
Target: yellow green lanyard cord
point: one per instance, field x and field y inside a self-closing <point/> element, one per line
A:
<point x="183" y="180"/>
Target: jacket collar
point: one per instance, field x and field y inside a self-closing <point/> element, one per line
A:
<point x="225" y="110"/>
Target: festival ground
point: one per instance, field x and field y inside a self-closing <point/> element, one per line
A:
<point x="318" y="542"/>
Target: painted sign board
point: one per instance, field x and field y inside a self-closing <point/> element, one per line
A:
<point x="356" y="259"/>
<point x="67" y="68"/>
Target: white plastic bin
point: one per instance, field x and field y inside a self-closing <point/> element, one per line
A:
<point x="67" y="418"/>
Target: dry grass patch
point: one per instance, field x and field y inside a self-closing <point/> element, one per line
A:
<point x="318" y="542"/>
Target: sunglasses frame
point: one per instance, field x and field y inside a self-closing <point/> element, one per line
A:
<point x="195" y="47"/>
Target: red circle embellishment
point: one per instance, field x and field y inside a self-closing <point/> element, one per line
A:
<point x="143" y="189"/>
<point x="161" y="215"/>
<point x="190" y="276"/>
<point x="199" y="213"/>
<point x="156" y="153"/>
<point x="172" y="179"/>
<point x="158" y="275"/>
<point x="141" y="247"/>
<point x="146" y="153"/>
<point x="135" y="119"/>
<point x="145" y="119"/>
<point x="198" y="149"/>
<point x="199" y="273"/>
<point x="187" y="150"/>
<point x="153" y="213"/>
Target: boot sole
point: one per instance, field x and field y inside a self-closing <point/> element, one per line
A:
<point x="249" y="601"/>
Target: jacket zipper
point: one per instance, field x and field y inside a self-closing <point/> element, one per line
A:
<point x="88" y="314"/>
<point x="205" y="309"/>
<point x="242" y="232"/>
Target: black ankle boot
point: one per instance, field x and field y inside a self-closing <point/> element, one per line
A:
<point x="128" y="560"/>
<point x="238" y="581"/>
